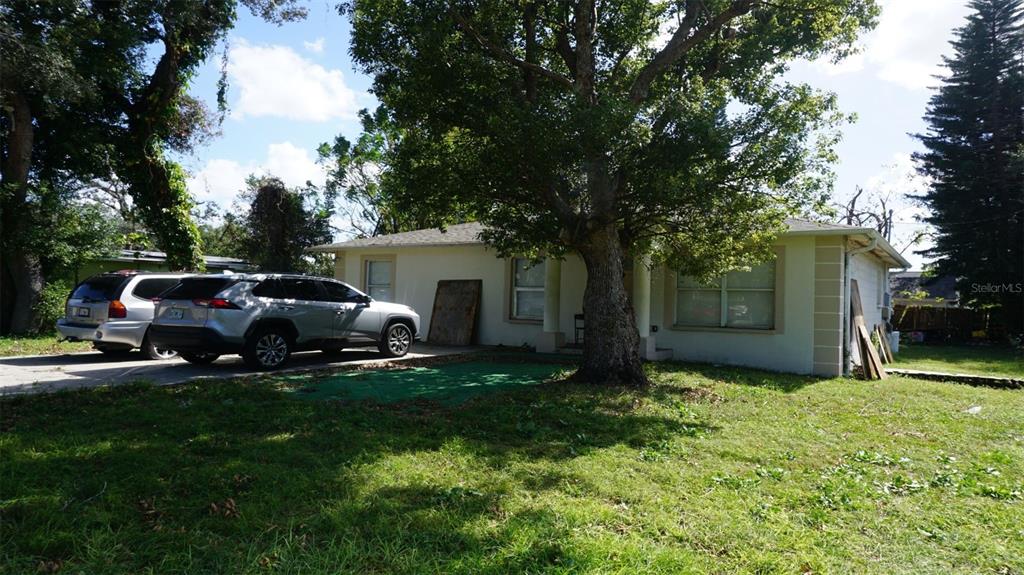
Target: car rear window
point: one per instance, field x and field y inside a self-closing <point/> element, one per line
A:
<point x="99" y="288"/>
<point x="196" y="288"/>
<point x="152" y="287"/>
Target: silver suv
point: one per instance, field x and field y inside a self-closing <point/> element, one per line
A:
<point x="265" y="317"/>
<point x="114" y="310"/>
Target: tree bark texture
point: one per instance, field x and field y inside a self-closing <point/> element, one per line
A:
<point x="23" y="267"/>
<point x="611" y="350"/>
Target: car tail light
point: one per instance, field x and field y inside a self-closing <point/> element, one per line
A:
<point x="117" y="310"/>
<point x="215" y="303"/>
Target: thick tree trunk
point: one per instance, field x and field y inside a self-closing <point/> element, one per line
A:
<point x="27" y="274"/>
<point x="22" y="264"/>
<point x="611" y="348"/>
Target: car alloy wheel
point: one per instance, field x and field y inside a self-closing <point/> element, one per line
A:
<point x="164" y="353"/>
<point x="271" y="350"/>
<point x="399" y="339"/>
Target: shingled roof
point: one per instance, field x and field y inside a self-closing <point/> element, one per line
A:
<point x="469" y="234"/>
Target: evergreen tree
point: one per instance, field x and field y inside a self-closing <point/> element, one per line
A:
<point x="974" y="159"/>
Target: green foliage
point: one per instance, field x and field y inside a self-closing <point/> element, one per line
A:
<point x="281" y="223"/>
<point x="99" y="91"/>
<point x="714" y="470"/>
<point x="548" y="125"/>
<point x="51" y="304"/>
<point x="364" y="174"/>
<point x="975" y="135"/>
<point x="67" y="233"/>
<point x="222" y="233"/>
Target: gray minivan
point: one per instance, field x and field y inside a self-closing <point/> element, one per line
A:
<point x="114" y="310"/>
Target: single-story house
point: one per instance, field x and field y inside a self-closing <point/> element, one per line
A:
<point x="154" y="262"/>
<point x="920" y="289"/>
<point x="790" y="314"/>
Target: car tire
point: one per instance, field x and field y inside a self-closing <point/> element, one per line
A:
<point x="200" y="358"/>
<point x="396" y="341"/>
<point x="150" y="351"/>
<point x="267" y="349"/>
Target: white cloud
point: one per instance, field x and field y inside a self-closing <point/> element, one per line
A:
<point x="221" y="180"/>
<point x="274" y="80"/>
<point x="316" y="46"/>
<point x="907" y="46"/>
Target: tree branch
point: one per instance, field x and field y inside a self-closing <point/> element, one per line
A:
<point x="585" y="30"/>
<point x="503" y="55"/>
<point x="684" y="39"/>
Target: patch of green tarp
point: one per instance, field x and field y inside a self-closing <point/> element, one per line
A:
<point x="449" y="384"/>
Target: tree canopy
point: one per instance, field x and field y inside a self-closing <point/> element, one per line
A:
<point x="83" y="100"/>
<point x="975" y="160"/>
<point x="281" y="223"/>
<point x="610" y="129"/>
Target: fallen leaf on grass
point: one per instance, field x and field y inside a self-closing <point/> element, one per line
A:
<point x="47" y="566"/>
<point x="227" y="508"/>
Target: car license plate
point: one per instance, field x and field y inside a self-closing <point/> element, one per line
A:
<point x="175" y="313"/>
<point x="82" y="312"/>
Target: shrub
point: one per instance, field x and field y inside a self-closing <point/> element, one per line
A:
<point x="51" y="305"/>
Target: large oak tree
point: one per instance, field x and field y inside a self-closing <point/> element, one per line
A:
<point x="610" y="129"/>
<point x="83" y="99"/>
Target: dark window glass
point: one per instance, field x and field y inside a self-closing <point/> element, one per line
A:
<point x="198" y="288"/>
<point x="268" y="288"/>
<point x="339" y="292"/>
<point x="301" y="289"/>
<point x="150" y="288"/>
<point x="100" y="288"/>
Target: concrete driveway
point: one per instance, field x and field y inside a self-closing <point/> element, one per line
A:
<point x="43" y="373"/>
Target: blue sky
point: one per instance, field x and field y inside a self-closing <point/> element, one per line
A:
<point x="293" y="87"/>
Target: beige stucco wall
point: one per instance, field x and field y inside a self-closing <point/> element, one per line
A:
<point x="789" y="348"/>
<point x="418" y="269"/>
<point x="870" y="273"/>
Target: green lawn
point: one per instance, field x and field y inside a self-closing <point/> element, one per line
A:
<point x="713" y="470"/>
<point x="39" y="345"/>
<point x="976" y="360"/>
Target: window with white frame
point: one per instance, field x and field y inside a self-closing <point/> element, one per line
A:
<point x="527" y="289"/>
<point x="380" y="276"/>
<point x="739" y="299"/>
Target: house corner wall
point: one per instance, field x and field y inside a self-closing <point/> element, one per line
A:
<point x="339" y="266"/>
<point x="828" y="306"/>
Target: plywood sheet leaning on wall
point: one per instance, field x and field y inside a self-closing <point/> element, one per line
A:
<point x="883" y="344"/>
<point x="871" y="365"/>
<point x="456" y="312"/>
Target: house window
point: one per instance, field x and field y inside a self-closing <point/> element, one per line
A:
<point x="380" y="276"/>
<point x="527" y="289"/>
<point x="740" y="299"/>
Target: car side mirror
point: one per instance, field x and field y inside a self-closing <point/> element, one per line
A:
<point x="364" y="300"/>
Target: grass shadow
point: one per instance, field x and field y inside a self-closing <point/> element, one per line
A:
<point x="221" y="476"/>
